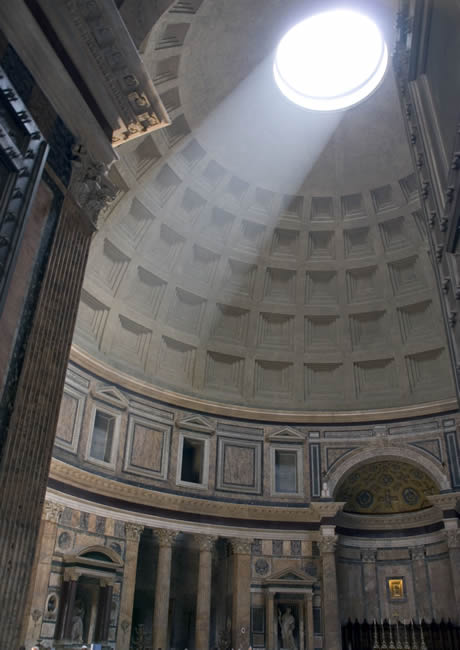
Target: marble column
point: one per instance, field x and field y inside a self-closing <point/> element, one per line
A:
<point x="203" y="600"/>
<point x="370" y="605"/>
<point x="270" y="620"/>
<point x="241" y="605"/>
<point x="453" y="545"/>
<point x="38" y="589"/>
<point x="421" y="584"/>
<point x="133" y="535"/>
<point x="69" y="605"/>
<point x="162" y="588"/>
<point x="309" y="618"/>
<point x="331" y="622"/>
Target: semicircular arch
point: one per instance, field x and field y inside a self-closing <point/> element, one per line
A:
<point x="373" y="454"/>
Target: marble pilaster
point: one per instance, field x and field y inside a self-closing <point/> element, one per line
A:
<point x="203" y="601"/>
<point x="309" y="618"/>
<point x="38" y="589"/>
<point x="453" y="545"/>
<point x="421" y="583"/>
<point x="332" y="630"/>
<point x="162" y="588"/>
<point x="133" y="535"/>
<point x="368" y="558"/>
<point x="241" y="610"/>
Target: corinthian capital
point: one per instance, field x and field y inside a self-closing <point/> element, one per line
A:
<point x="133" y="532"/>
<point x="328" y="544"/>
<point x="205" y="542"/>
<point x="242" y="546"/>
<point x="90" y="187"/>
<point x="368" y="555"/>
<point x="52" y="511"/>
<point x="165" y="537"/>
<point x="453" y="538"/>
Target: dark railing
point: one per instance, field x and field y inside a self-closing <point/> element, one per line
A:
<point x="377" y="636"/>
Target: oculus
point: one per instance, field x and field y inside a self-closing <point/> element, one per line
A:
<point x="331" y="61"/>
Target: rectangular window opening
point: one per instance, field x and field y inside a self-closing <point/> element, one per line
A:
<point x="102" y="438"/>
<point x="286" y="471"/>
<point x="192" y="461"/>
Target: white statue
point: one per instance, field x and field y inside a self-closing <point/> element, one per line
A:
<point x="76" y="633"/>
<point x="287" y="625"/>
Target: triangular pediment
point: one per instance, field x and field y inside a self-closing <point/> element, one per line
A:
<point x="197" y="423"/>
<point x="286" y="434"/>
<point x="288" y="575"/>
<point x="111" y="395"/>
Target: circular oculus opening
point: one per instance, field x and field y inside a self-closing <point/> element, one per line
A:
<point x="331" y="61"/>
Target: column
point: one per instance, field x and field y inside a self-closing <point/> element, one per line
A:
<point x="331" y="621"/>
<point x="133" y="535"/>
<point x="241" y="605"/>
<point x="27" y="436"/>
<point x="203" y="599"/>
<point x="38" y="589"/>
<point x="370" y="605"/>
<point x="309" y="616"/>
<point x="421" y="584"/>
<point x="453" y="545"/>
<point x="162" y="588"/>
<point x="269" y="620"/>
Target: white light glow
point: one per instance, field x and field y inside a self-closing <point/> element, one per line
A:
<point x="331" y="61"/>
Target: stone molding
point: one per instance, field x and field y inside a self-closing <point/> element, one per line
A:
<point x="205" y="542"/>
<point x="133" y="531"/>
<point x="52" y="511"/>
<point x="241" y="546"/>
<point x="417" y="553"/>
<point x="165" y="537"/>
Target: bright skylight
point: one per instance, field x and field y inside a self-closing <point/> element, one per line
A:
<point x="331" y="61"/>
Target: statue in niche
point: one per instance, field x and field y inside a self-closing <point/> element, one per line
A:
<point x="78" y="614"/>
<point x="287" y="625"/>
<point x="225" y="637"/>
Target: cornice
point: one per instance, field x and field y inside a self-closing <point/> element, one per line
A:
<point x="182" y="504"/>
<point x="111" y="375"/>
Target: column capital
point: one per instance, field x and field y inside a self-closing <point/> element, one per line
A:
<point x="91" y="189"/>
<point x="165" y="537"/>
<point x="205" y="542"/>
<point x="418" y="552"/>
<point x="241" y="546"/>
<point x="453" y="538"/>
<point x="328" y="544"/>
<point x="368" y="555"/>
<point x="52" y="511"/>
<point x="133" y="531"/>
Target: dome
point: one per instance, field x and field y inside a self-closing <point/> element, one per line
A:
<point x="262" y="256"/>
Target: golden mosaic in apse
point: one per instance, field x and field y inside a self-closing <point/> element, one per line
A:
<point x="385" y="488"/>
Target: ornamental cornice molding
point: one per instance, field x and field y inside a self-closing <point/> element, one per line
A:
<point x="98" y="29"/>
<point x="448" y="501"/>
<point x="85" y="480"/>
